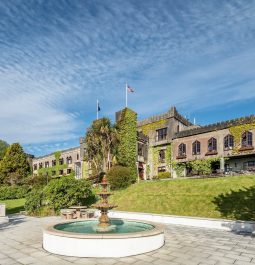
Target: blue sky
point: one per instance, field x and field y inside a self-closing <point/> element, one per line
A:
<point x="58" y="57"/>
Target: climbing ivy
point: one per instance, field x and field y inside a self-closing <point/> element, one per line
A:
<point x="237" y="131"/>
<point x="155" y="156"/>
<point x="178" y="168"/>
<point x="55" y="168"/>
<point x="152" y="126"/>
<point x="127" y="153"/>
<point x="203" y="166"/>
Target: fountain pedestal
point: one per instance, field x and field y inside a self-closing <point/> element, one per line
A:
<point x="104" y="225"/>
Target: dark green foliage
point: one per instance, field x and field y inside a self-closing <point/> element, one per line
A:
<point x="3" y="148"/>
<point x="127" y="153"/>
<point x="164" y="175"/>
<point x="14" y="166"/>
<point x="67" y="191"/>
<point x="13" y="192"/>
<point x="101" y="140"/>
<point x="37" y="181"/>
<point x="34" y="201"/>
<point x="119" y="177"/>
<point x="237" y="204"/>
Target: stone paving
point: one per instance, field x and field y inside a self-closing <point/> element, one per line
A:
<point x="21" y="243"/>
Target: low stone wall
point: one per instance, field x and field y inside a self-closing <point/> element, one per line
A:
<point x="222" y="224"/>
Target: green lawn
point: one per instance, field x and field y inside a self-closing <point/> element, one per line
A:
<point x="228" y="197"/>
<point x="14" y="206"/>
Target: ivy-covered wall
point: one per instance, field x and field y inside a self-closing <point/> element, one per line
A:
<point x="155" y="157"/>
<point x="55" y="168"/>
<point x="153" y="126"/>
<point x="237" y="131"/>
<point x="127" y="147"/>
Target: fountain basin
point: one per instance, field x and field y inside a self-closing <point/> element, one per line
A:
<point x="80" y="239"/>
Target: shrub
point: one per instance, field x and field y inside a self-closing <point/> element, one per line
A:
<point x="67" y="191"/>
<point x="164" y="175"/>
<point x="37" y="180"/>
<point x="13" y="192"/>
<point x="119" y="177"/>
<point x="34" y="201"/>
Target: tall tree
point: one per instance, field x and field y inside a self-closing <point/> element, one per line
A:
<point x="3" y="148"/>
<point x="14" y="166"/>
<point x="101" y="139"/>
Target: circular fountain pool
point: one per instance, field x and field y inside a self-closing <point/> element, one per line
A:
<point x="80" y="238"/>
<point x="88" y="227"/>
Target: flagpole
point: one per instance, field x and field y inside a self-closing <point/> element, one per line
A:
<point x="126" y="96"/>
<point x="97" y="109"/>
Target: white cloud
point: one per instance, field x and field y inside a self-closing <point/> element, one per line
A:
<point x="56" y="63"/>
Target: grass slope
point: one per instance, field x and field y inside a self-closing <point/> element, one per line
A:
<point x="191" y="197"/>
<point x="14" y="206"/>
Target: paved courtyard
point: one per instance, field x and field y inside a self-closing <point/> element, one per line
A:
<point x="21" y="243"/>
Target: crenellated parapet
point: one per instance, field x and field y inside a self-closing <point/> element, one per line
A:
<point x="215" y="126"/>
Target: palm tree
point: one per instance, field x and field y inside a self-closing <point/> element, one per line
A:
<point x="101" y="140"/>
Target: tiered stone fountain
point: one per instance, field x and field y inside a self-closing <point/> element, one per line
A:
<point x="102" y="237"/>
<point x="104" y="221"/>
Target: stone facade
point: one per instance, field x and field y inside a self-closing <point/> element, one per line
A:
<point x="234" y="155"/>
<point x="160" y="131"/>
<point x="70" y="160"/>
<point x="158" y="145"/>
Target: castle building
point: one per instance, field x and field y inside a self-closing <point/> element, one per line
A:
<point x="230" y="141"/>
<point x="167" y="139"/>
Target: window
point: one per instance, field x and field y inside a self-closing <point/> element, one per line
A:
<point x="196" y="148"/>
<point x="212" y="145"/>
<point x="228" y="142"/>
<point x="61" y="161"/>
<point x="140" y="149"/>
<point x="250" y="165"/>
<point x="40" y="165"/>
<point x="182" y="150"/>
<point x="35" y="166"/>
<point x="162" y="156"/>
<point x="61" y="171"/>
<point x="77" y="156"/>
<point x="53" y="173"/>
<point x="161" y="134"/>
<point x="246" y="139"/>
<point x="161" y="169"/>
<point x="178" y="128"/>
<point x="69" y="170"/>
<point x="47" y="164"/>
<point x="69" y="160"/>
<point x="53" y="163"/>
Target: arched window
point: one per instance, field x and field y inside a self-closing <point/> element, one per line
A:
<point x="212" y="144"/>
<point x="228" y="142"/>
<point x="196" y="148"/>
<point x="182" y="150"/>
<point x="246" y="139"/>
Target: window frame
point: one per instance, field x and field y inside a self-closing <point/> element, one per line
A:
<point x="248" y="139"/>
<point x="162" y="156"/>
<point x="196" y="148"/>
<point x="228" y="142"/>
<point x="182" y="150"/>
<point x="161" y="136"/>
<point x="212" y="145"/>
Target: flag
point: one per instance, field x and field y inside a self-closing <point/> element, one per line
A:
<point x="98" y="107"/>
<point x="130" y="89"/>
